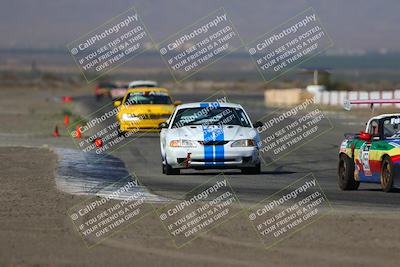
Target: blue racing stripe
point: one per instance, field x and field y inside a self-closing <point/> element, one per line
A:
<point x="208" y="150"/>
<point x="219" y="149"/>
<point x="207" y="133"/>
<point x="211" y="104"/>
<point x="213" y="153"/>
<point x="213" y="133"/>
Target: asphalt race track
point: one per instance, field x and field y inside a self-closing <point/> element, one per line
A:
<point x="319" y="157"/>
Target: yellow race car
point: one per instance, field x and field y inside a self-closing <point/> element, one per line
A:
<point x="143" y="109"/>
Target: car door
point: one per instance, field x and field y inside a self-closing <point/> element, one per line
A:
<point x="367" y="154"/>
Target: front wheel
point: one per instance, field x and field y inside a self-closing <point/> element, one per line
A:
<point x="252" y="170"/>
<point x="121" y="133"/>
<point x="387" y="174"/>
<point x="346" y="173"/>
<point x="168" y="170"/>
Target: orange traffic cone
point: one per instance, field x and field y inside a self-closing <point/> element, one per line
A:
<point x="66" y="120"/>
<point x="55" y="132"/>
<point x="78" y="133"/>
<point x="98" y="142"/>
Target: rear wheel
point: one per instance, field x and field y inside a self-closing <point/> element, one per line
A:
<point x="346" y="173"/>
<point x="387" y="174"/>
<point x="252" y="170"/>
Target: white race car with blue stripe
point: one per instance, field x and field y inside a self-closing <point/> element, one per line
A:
<point x="209" y="136"/>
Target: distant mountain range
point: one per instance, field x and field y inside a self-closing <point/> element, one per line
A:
<point x="356" y="26"/>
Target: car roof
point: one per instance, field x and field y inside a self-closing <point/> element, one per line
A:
<point x="147" y="89"/>
<point x="202" y="104"/>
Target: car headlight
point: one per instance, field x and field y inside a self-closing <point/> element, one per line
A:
<point x="129" y="117"/>
<point x="243" y="143"/>
<point x="182" y="143"/>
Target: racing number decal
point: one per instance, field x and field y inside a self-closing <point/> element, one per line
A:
<point x="343" y="146"/>
<point x="364" y="158"/>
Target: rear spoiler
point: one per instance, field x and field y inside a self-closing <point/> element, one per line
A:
<point x="347" y="103"/>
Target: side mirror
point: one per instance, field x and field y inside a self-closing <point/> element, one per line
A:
<point x="257" y="124"/>
<point x="365" y="136"/>
<point x="117" y="103"/>
<point x="163" y="125"/>
<point x="177" y="103"/>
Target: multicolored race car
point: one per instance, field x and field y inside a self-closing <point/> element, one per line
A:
<point x="372" y="156"/>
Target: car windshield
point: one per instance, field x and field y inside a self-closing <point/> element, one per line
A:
<point x="143" y="85"/>
<point x="210" y="116"/>
<point x="144" y="98"/>
<point x="391" y="127"/>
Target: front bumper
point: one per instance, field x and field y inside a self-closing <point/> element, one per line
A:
<point x="195" y="158"/>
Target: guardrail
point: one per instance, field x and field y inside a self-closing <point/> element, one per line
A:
<point x="294" y="96"/>
<point x="337" y="98"/>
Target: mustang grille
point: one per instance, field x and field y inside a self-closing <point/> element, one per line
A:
<point x="153" y="116"/>
<point x="213" y="143"/>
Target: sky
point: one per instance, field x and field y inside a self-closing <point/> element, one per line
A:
<point x="354" y="25"/>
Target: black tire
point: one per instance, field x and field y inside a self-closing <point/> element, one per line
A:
<point x="121" y="133"/>
<point x="387" y="174"/>
<point x="252" y="170"/>
<point x="346" y="173"/>
<point x="168" y="170"/>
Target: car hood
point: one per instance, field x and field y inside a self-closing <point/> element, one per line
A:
<point x="147" y="109"/>
<point x="213" y="132"/>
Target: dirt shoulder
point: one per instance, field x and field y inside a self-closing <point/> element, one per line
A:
<point x="35" y="231"/>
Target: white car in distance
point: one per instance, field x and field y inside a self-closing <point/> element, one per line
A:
<point x="139" y="84"/>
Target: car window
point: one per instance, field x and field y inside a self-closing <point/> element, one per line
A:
<point x="143" y="98"/>
<point x="147" y="85"/>
<point x="210" y="116"/>
<point x="391" y="127"/>
<point x="374" y="128"/>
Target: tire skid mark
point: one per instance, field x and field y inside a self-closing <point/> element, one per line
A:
<point x="80" y="173"/>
